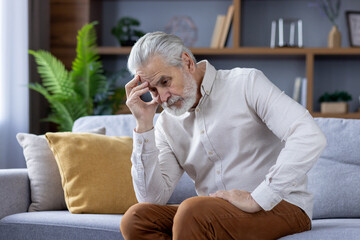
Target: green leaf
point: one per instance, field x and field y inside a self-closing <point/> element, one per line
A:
<point x="87" y="71"/>
<point x="55" y="77"/>
<point x="335" y="97"/>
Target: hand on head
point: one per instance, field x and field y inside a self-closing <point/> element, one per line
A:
<point x="144" y="112"/>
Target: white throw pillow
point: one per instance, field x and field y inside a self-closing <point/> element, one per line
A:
<point x="45" y="181"/>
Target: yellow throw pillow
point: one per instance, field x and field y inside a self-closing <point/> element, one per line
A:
<point x="95" y="171"/>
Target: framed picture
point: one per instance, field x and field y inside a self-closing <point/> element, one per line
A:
<point x="353" y="23"/>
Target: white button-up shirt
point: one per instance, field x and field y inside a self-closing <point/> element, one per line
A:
<point x="244" y="134"/>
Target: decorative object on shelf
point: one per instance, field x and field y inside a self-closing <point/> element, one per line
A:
<point x="353" y="23"/>
<point x="183" y="27"/>
<point x="331" y="9"/>
<point x="335" y="102"/>
<point x="73" y="94"/>
<point x="125" y="33"/>
<point x="334" y="38"/>
<point x="286" y="30"/>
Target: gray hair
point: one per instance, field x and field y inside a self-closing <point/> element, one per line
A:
<point x="168" y="46"/>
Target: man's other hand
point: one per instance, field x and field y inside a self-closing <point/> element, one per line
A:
<point x="240" y="199"/>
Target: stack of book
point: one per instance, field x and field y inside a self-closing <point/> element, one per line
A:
<point x="222" y="29"/>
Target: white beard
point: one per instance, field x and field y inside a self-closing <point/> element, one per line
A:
<point x="187" y="101"/>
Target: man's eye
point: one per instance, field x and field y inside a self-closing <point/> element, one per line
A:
<point x="165" y="82"/>
<point x="153" y="90"/>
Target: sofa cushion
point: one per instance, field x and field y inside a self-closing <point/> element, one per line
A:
<point x="123" y="125"/>
<point x="95" y="171"/>
<point x="60" y="225"/>
<point x="334" y="178"/>
<point x="329" y="229"/>
<point x="45" y="182"/>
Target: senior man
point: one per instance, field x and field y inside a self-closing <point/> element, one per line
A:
<point x="246" y="145"/>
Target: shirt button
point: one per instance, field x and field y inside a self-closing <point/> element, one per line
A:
<point x="217" y="172"/>
<point x="210" y="153"/>
<point x="146" y="140"/>
<point x="207" y="92"/>
<point x="139" y="142"/>
<point x="202" y="132"/>
<point x="197" y="110"/>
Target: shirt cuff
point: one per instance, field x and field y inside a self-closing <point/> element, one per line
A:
<point x="265" y="196"/>
<point x="144" y="142"/>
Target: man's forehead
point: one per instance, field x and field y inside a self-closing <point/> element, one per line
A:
<point x="146" y="77"/>
<point x="153" y="70"/>
<point x="156" y="80"/>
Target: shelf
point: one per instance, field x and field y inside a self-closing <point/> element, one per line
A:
<point x="247" y="51"/>
<point x="354" y="115"/>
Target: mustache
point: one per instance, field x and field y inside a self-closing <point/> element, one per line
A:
<point x="172" y="100"/>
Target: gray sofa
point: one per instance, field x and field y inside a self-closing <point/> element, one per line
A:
<point x="334" y="181"/>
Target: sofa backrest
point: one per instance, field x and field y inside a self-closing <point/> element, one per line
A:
<point x="123" y="125"/>
<point x="335" y="178"/>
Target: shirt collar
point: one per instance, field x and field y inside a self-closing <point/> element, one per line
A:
<point x="208" y="80"/>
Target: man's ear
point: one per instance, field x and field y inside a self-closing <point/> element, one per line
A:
<point x="188" y="63"/>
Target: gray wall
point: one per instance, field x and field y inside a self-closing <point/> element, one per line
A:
<point x="331" y="73"/>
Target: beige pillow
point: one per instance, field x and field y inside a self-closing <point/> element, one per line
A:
<point x="45" y="181"/>
<point x="95" y="171"/>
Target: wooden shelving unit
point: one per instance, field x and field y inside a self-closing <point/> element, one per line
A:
<point x="308" y="53"/>
<point x="248" y="51"/>
<point x="92" y="9"/>
<point x="332" y="115"/>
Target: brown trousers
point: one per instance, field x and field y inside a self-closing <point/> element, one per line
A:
<point x="211" y="218"/>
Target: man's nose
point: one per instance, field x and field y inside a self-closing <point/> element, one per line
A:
<point x="164" y="95"/>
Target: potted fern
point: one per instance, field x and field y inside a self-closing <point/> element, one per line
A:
<point x="76" y="93"/>
<point x="336" y="102"/>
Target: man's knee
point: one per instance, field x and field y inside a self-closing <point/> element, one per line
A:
<point x="194" y="212"/>
<point x="133" y="217"/>
<point x="148" y="221"/>
<point x="198" y="206"/>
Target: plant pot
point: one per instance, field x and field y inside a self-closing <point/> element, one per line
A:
<point x="334" y="107"/>
<point x="334" y="38"/>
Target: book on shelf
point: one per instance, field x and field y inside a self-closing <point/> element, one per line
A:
<point x="226" y="27"/>
<point x="297" y="88"/>
<point x="303" y="92"/>
<point x="300" y="90"/>
<point x="215" y="40"/>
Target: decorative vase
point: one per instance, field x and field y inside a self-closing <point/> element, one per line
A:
<point x="334" y="38"/>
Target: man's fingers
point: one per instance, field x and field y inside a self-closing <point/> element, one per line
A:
<point x="138" y="93"/>
<point x="141" y="86"/>
<point x="220" y="194"/>
<point x="132" y="84"/>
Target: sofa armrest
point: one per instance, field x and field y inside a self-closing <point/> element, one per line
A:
<point x="14" y="191"/>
